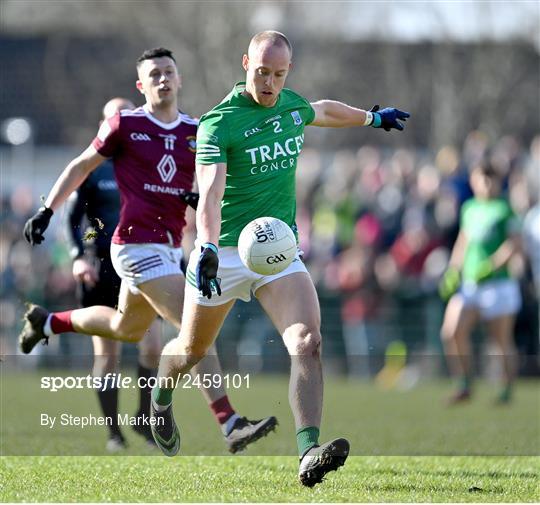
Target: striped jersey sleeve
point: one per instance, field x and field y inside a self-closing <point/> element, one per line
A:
<point x="212" y="139"/>
<point x="107" y="140"/>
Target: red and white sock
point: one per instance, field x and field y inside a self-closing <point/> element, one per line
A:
<point x="224" y="413"/>
<point x="58" y="322"/>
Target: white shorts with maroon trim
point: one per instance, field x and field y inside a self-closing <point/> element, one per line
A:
<point x="138" y="263"/>
<point x="236" y="280"/>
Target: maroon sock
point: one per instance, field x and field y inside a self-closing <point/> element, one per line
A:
<point x="61" y="322"/>
<point x="222" y="409"/>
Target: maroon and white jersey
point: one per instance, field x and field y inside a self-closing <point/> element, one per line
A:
<point x="154" y="162"/>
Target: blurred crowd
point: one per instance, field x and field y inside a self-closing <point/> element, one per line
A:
<point x="376" y="227"/>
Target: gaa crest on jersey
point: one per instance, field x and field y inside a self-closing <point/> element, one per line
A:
<point x="253" y="131"/>
<point x="192" y="143"/>
<point x="296" y="117"/>
<point x="140" y="136"/>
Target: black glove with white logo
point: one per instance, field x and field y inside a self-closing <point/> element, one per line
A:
<point x="190" y="198"/>
<point x="206" y="272"/>
<point x="36" y="226"/>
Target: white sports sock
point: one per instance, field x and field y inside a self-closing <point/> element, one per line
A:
<point x="160" y="408"/>
<point x="47" y="327"/>
<point x="227" y="426"/>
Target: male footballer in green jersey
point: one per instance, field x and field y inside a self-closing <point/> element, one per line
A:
<point x="247" y="150"/>
<point x="478" y="266"/>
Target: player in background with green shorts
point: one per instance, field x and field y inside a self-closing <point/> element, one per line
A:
<point x="247" y="150"/>
<point x="478" y="284"/>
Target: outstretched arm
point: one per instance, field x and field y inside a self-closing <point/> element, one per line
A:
<point x="334" y="114"/>
<point x="329" y="113"/>
<point x="70" y="179"/>
<point x="73" y="176"/>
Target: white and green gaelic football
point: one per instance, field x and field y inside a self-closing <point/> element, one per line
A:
<point x="267" y="246"/>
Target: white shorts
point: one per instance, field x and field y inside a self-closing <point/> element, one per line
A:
<point x="236" y="280"/>
<point x="499" y="297"/>
<point x="138" y="263"/>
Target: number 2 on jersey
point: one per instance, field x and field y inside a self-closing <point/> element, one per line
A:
<point x="277" y="127"/>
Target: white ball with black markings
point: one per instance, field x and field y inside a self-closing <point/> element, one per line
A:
<point x="267" y="245"/>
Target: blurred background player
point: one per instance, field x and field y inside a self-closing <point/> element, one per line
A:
<point x="247" y="150"/>
<point x="478" y="267"/>
<point x="531" y="236"/>
<point x="97" y="203"/>
<point x="153" y="151"/>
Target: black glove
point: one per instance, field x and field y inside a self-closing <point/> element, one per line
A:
<point x="191" y="199"/>
<point x="388" y="118"/>
<point x="36" y="225"/>
<point x="206" y="272"/>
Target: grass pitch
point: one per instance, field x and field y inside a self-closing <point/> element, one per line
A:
<point x="405" y="446"/>
<point x="267" y="479"/>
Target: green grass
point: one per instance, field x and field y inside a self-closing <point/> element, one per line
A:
<point x="386" y="423"/>
<point x="267" y="479"/>
<point x="405" y="446"/>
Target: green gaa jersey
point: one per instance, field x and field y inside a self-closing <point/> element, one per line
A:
<point x="486" y="224"/>
<point x="260" y="146"/>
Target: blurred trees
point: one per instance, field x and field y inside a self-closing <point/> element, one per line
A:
<point x="65" y="59"/>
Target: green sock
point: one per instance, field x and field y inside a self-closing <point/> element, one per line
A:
<point x="506" y="394"/>
<point x="162" y="396"/>
<point x="465" y="383"/>
<point x="306" y="438"/>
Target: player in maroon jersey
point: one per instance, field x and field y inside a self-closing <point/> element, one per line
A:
<point x="153" y="149"/>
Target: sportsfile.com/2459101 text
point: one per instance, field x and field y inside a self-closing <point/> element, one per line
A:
<point x="118" y="380"/>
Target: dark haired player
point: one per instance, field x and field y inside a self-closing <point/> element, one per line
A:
<point x="96" y="203"/>
<point x="153" y="150"/>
